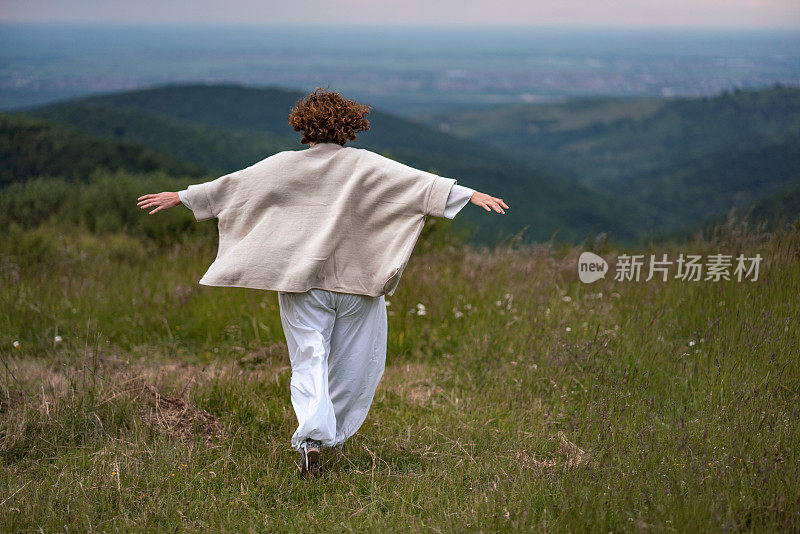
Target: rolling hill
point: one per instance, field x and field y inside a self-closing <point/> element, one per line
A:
<point x="734" y="177"/>
<point x="214" y="149"/>
<point x="781" y="206"/>
<point x="224" y="127"/>
<point x="768" y="213"/>
<point x="32" y="147"/>
<point x="682" y="159"/>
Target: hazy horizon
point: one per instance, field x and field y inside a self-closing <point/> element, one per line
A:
<point x="405" y="69"/>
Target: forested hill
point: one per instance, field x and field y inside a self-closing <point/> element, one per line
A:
<point x="31" y="147"/>
<point x="217" y="150"/>
<point x="682" y="159"/>
<point x="225" y="127"/>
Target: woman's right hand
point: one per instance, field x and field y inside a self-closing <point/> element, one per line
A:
<point x="162" y="201"/>
<point x="488" y="202"/>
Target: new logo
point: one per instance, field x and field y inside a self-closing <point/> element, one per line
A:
<point x="591" y="267"/>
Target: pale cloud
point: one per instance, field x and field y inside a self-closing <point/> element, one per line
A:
<point x="641" y="13"/>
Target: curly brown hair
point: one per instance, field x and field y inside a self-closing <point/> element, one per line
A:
<point x="327" y="117"/>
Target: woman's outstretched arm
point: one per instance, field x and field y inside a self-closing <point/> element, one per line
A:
<point x="161" y="201"/>
<point x="459" y="197"/>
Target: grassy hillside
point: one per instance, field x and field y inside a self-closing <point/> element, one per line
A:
<point x="30" y="147"/>
<point x="195" y="119"/>
<point x="133" y="399"/>
<point x="680" y="158"/>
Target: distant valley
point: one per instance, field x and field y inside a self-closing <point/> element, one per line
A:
<point x="634" y="168"/>
<point x="683" y="160"/>
<point x="226" y="127"/>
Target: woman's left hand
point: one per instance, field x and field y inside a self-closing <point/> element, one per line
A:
<point x="162" y="201"/>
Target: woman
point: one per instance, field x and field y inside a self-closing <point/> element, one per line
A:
<point x="331" y="229"/>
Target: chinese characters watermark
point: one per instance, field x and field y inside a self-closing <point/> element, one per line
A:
<point x="686" y="267"/>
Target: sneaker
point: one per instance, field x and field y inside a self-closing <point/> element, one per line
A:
<point x="311" y="451"/>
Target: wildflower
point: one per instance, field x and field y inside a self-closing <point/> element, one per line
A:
<point x="567" y="298"/>
<point x="569" y="329"/>
<point x="57" y="339"/>
<point x="388" y="303"/>
<point x="16" y="344"/>
<point x="498" y="303"/>
<point x="421" y="309"/>
<point x="691" y="343"/>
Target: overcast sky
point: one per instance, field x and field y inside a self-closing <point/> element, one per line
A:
<point x="630" y="13"/>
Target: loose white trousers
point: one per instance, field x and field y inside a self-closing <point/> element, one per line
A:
<point x="337" y="348"/>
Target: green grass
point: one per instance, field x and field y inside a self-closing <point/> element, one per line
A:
<point x="522" y="400"/>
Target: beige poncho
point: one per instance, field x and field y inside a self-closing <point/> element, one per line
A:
<point x="330" y="217"/>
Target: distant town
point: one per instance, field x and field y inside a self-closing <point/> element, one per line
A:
<point x="407" y="73"/>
